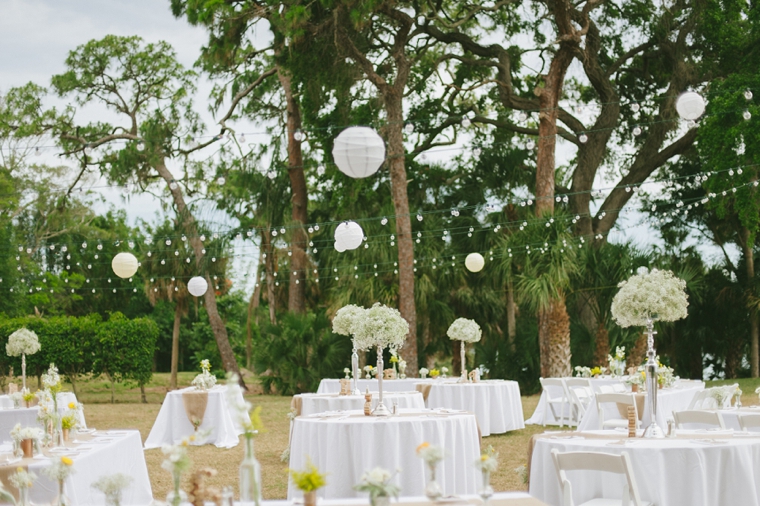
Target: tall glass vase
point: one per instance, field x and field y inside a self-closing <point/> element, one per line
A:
<point x="432" y="489"/>
<point x="653" y="430"/>
<point x="463" y="378"/>
<point x="355" y="371"/>
<point x="23" y="497"/>
<point x="250" y="475"/>
<point x="380" y="409"/>
<point x="486" y="490"/>
<point x="61" y="500"/>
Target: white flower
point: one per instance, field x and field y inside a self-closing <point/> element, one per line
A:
<point x="377" y="483"/>
<point x="346" y="319"/>
<point x="205" y="379"/>
<point x="381" y="326"/>
<point x="22" y="341"/>
<point x="430" y="453"/>
<point x="424" y="370"/>
<point x="464" y="329"/>
<point x="444" y="370"/>
<point x="112" y="486"/>
<point x="657" y="294"/>
<point x="51" y="378"/>
<point x="20" y="433"/>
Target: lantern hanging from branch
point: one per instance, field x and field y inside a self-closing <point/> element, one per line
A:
<point x="348" y="236"/>
<point x="124" y="265"/>
<point x="358" y="152"/>
<point x="197" y="286"/>
<point x="474" y="262"/>
<point x="690" y="105"/>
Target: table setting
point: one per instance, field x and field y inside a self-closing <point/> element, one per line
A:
<point x="307" y="404"/>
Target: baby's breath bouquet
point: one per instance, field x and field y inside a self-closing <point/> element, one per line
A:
<point x="59" y="470"/>
<point x="112" y="486"/>
<point x="205" y="380"/>
<point x="347" y="319"/>
<point x="649" y="295"/>
<point x="431" y="455"/>
<point x="465" y="331"/>
<point x="22" y="342"/>
<point x="382" y="327"/>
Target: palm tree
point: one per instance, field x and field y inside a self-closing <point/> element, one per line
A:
<point x="543" y="286"/>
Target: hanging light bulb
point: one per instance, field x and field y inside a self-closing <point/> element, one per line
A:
<point x="321" y="170"/>
<point x="409" y="128"/>
<point x="747" y="115"/>
<point x="384" y="221"/>
<point x="635" y="107"/>
<point x="173" y="185"/>
<point x="271" y="174"/>
<point x="522" y="116"/>
<point x="748" y="94"/>
<point x="466" y="122"/>
<point x="221" y="180"/>
<point x="530" y="144"/>
<point x="476" y="152"/>
<point x="298" y="135"/>
<point x="241" y="138"/>
<point x="140" y="145"/>
<point x="637" y="130"/>
<point x="583" y="138"/>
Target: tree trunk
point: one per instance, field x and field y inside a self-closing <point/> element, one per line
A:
<point x="395" y="159"/>
<point x="754" y="324"/>
<point x="554" y="340"/>
<point x="602" y="345"/>
<point x="253" y="306"/>
<point x="188" y="223"/>
<point x="266" y="240"/>
<point x="299" y="201"/>
<point x="175" y="344"/>
<point x="143" y="398"/>
<point x="635" y="357"/>
<point x="511" y="322"/>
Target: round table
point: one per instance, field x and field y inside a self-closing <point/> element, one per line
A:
<point x="309" y="404"/>
<point x="690" y="471"/>
<point x="27" y="417"/>
<point x="496" y="403"/>
<point x="332" y="386"/>
<point x="347" y="445"/>
<point x="172" y="423"/>
<point x="672" y="399"/>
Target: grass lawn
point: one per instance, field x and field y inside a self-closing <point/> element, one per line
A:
<point x="129" y="413"/>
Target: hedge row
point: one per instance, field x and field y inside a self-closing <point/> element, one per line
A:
<point x="120" y="348"/>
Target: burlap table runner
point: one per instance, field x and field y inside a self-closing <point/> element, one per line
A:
<point x="623" y="408"/>
<point x="424" y="389"/>
<point x="195" y="403"/>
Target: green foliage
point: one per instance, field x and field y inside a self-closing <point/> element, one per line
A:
<point x="293" y="356"/>
<point x="124" y="348"/>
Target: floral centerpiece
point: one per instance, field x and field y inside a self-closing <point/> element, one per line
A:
<point x="641" y="300"/>
<point x="308" y="481"/>
<point x="380" y="327"/>
<point x="444" y="371"/>
<point x="112" y="486"/>
<point x="345" y="324"/>
<point x="722" y="395"/>
<point x="635" y="380"/>
<point x="347" y="372"/>
<point x="26" y="439"/>
<point x="434" y="373"/>
<point x="27" y="396"/>
<point x="378" y="483"/>
<point x="70" y="420"/>
<point x="370" y="371"/>
<point x="466" y="331"/>
<point x="487" y="465"/>
<point x="22" y="342"/>
<point x="401" y="368"/>
<point x="48" y="413"/>
<point x="177" y="462"/>
<point x="423" y="372"/>
<point x="17" y="398"/>
<point x="205" y="380"/>
<point x="582" y="371"/>
<point x="250" y="420"/>
<point x="431" y="455"/>
<point x="617" y="362"/>
<point x="23" y="481"/>
<point x="59" y="471"/>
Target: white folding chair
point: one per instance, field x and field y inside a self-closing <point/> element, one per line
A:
<point x="556" y="395"/>
<point x="602" y="462"/>
<point x="617" y="399"/>
<point x="705" y="400"/>
<point x="704" y="419"/>
<point x="747" y="422"/>
<point x="581" y="395"/>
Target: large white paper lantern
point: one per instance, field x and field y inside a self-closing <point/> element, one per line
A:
<point x="124" y="265"/>
<point x="474" y="262"/>
<point x="690" y="105"/>
<point x="197" y="286"/>
<point x="358" y="152"/>
<point x="348" y="235"/>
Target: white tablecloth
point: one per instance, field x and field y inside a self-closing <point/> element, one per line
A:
<point x="332" y="386"/>
<point x="27" y="417"/>
<point x="498" y="499"/>
<point x="172" y="423"/>
<point x="668" y="472"/>
<point x="496" y="403"/>
<point x="347" y="446"/>
<point x="319" y="403"/>
<point x="672" y="399"/>
<point x="119" y="452"/>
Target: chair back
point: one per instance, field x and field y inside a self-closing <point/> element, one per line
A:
<point x="600" y="462"/>
<point x="705" y="399"/>
<point x="712" y="419"/>
<point x="581" y="395"/>
<point x="578" y="382"/>
<point x="619" y="400"/>
<point x="747" y="422"/>
<point x="554" y="388"/>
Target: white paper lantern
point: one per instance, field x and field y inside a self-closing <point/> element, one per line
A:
<point x="348" y="236"/>
<point x="358" y="152"/>
<point x="197" y="286"/>
<point x="474" y="262"/>
<point x="690" y="105"/>
<point x="339" y="247"/>
<point x="124" y="265"/>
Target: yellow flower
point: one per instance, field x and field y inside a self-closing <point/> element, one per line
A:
<point x="184" y="442"/>
<point x="422" y="446"/>
<point x="191" y="438"/>
<point x="72" y="405"/>
<point x="484" y="457"/>
<point x="19" y="469"/>
<point x="67" y="461"/>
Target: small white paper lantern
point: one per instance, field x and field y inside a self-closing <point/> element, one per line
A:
<point x="358" y="152"/>
<point x="690" y="105"/>
<point x="197" y="286"/>
<point x="348" y="236"/>
<point x="474" y="262"/>
<point x="124" y="265"/>
<point x="339" y="247"/>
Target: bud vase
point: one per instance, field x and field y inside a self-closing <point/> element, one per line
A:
<point x="23" y="497"/>
<point x="176" y="496"/>
<point x="250" y="475"/>
<point x="486" y="491"/>
<point x="61" y="500"/>
<point x="432" y="489"/>
<point x="381" y="500"/>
